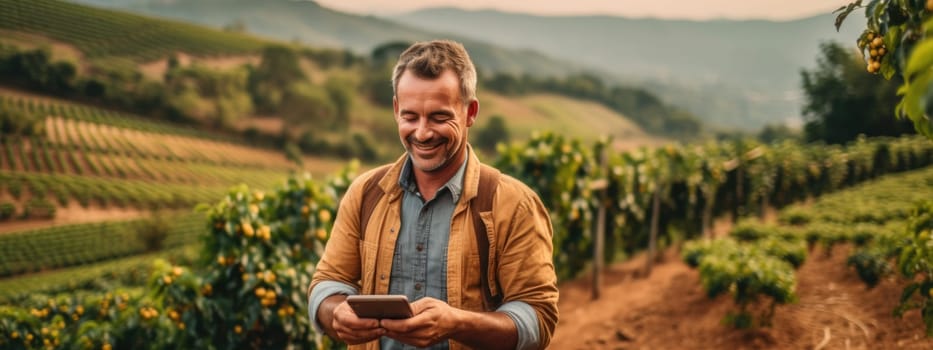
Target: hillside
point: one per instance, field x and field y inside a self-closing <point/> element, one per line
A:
<point x="308" y="23"/>
<point x="737" y="73"/>
<point x="91" y="31"/>
<point x="572" y="118"/>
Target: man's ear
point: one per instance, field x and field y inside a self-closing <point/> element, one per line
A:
<point x="472" y="112"/>
<point x="395" y="106"/>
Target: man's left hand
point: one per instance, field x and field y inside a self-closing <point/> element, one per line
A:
<point x="434" y="321"/>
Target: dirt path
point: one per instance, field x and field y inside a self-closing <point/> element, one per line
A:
<point x="670" y="310"/>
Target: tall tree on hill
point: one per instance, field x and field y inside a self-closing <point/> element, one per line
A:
<point x="843" y="102"/>
<point x="276" y="73"/>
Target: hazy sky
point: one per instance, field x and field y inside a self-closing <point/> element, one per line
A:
<point x="681" y="9"/>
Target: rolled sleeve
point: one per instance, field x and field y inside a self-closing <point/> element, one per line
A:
<point x="320" y="292"/>
<point x="526" y="321"/>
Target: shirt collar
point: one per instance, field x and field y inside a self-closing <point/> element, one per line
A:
<point x="455" y="185"/>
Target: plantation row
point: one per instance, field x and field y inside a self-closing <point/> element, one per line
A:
<point x="107" y="192"/>
<point x="261" y="247"/>
<point x="64" y="246"/>
<point x="756" y="263"/>
<point x="49" y="106"/>
<point x="100" y="277"/>
<point x="34" y="155"/>
<point x="247" y="292"/>
<point x="683" y="188"/>
<point x="92" y="129"/>
<point x="142" y="39"/>
<point x="109" y="139"/>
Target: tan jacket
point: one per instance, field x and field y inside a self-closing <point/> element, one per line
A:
<point x="520" y="250"/>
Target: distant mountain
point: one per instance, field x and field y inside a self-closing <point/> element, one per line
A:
<point x="309" y="23"/>
<point x="740" y="73"/>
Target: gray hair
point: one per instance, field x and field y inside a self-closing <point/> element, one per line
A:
<point x="428" y="59"/>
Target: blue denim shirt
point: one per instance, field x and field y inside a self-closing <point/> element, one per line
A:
<point x="419" y="266"/>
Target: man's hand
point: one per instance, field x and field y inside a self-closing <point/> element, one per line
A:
<point x="341" y="322"/>
<point x="434" y="321"/>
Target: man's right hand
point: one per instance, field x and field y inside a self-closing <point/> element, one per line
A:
<point x="340" y="322"/>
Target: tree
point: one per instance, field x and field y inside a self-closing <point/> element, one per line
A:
<point x="842" y="102"/>
<point x="495" y="131"/>
<point x="309" y="105"/>
<point x="898" y="40"/>
<point x="278" y="70"/>
<point x="217" y="98"/>
<point x="341" y="92"/>
<point x="775" y="133"/>
<point x="388" y="52"/>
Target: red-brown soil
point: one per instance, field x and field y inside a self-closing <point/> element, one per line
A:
<point x="670" y="310"/>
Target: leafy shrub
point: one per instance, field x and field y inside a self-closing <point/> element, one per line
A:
<point x="39" y="208"/>
<point x="871" y="266"/>
<point x="751" y="230"/>
<point x="249" y="291"/>
<point x="750" y="272"/>
<point x="7" y="211"/>
<point x="915" y="261"/>
<point x="153" y="231"/>
<point x="795" y="216"/>
<point x="749" y="275"/>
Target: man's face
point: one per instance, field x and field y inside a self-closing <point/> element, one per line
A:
<point x="432" y="120"/>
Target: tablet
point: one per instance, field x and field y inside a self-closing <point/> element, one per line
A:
<point x="380" y="306"/>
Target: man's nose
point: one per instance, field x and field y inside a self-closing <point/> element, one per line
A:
<point x="423" y="131"/>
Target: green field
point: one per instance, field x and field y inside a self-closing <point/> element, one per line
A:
<point x="91" y="31"/>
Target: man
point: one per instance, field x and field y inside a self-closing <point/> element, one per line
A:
<point x="418" y="238"/>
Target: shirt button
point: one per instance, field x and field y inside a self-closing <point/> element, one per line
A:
<point x="417" y="286"/>
<point x="382" y="277"/>
<point x="420" y="247"/>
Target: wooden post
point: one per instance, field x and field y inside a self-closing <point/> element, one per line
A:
<point x="653" y="239"/>
<point x="762" y="212"/>
<point x="739" y="176"/>
<point x="599" y="250"/>
<point x="708" y="217"/>
<point x="600" y="239"/>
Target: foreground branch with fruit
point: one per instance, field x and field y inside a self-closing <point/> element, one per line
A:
<point x="898" y="40"/>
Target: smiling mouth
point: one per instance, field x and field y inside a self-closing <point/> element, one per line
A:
<point x="425" y="146"/>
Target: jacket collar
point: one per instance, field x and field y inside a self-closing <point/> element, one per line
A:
<point x="390" y="182"/>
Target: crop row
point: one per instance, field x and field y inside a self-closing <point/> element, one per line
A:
<point x="86" y="128"/>
<point x="681" y="188"/>
<point x="96" y="277"/>
<point x="103" y="138"/>
<point x="757" y="260"/>
<point x="49" y="106"/>
<point x="246" y="291"/>
<point x="35" y="155"/>
<point x="107" y="192"/>
<point x="70" y="245"/>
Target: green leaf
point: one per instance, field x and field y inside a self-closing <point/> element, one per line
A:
<point x="908" y="292"/>
<point x="887" y="67"/>
<point x="846" y="10"/>
<point x="913" y="99"/>
<point x="921" y="59"/>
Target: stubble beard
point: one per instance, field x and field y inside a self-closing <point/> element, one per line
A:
<point x="429" y="165"/>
